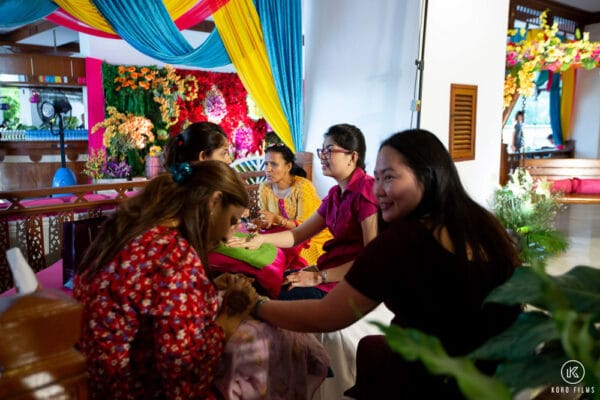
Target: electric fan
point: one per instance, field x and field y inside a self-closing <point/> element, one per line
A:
<point x="53" y="111"/>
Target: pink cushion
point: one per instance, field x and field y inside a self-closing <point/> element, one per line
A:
<point x="269" y="277"/>
<point x="586" y="186"/>
<point x="562" y="185"/>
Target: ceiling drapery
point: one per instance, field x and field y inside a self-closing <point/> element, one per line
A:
<point x="16" y="13"/>
<point x="281" y="23"/>
<point x="86" y="11"/>
<point x="270" y="66"/>
<point x="239" y="26"/>
<point x="147" y="26"/>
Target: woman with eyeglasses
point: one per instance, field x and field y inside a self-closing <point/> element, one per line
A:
<point x="349" y="211"/>
<point x="286" y="200"/>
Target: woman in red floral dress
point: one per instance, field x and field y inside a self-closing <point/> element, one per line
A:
<point x="151" y="322"/>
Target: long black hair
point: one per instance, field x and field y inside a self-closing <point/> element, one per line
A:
<point x="446" y="204"/>
<point x="198" y="137"/>
<point x="288" y="157"/>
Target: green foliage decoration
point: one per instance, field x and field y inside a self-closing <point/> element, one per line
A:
<point x="528" y="209"/>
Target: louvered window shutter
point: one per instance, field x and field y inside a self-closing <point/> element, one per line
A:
<point x="463" y="113"/>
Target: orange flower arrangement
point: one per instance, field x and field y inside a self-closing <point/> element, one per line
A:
<point x="130" y="77"/>
<point x="166" y="85"/>
<point x="124" y="132"/>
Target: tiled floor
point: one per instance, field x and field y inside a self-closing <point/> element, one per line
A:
<point x="581" y="224"/>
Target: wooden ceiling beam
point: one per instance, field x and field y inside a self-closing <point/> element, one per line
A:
<point x="67" y="49"/>
<point x="28" y="30"/>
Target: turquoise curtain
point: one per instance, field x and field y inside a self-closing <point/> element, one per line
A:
<point x="555" y="109"/>
<point x="147" y="26"/>
<point x="14" y="13"/>
<point x="281" y="23"/>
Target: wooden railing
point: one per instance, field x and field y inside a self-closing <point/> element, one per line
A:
<point x="32" y="219"/>
<point x="510" y="161"/>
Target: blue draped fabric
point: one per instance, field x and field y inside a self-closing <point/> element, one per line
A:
<point x="555" y="110"/>
<point x="281" y="23"/>
<point x="14" y="13"/>
<point x="147" y="26"/>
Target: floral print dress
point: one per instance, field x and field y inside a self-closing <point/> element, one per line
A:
<point x="149" y="327"/>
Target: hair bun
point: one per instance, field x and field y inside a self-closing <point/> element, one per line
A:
<point x="180" y="171"/>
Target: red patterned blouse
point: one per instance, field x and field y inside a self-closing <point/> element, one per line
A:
<point x="149" y="327"/>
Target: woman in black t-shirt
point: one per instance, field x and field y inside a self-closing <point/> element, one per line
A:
<point x="432" y="266"/>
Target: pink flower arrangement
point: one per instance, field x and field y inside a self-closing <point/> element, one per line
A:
<point x="214" y="105"/>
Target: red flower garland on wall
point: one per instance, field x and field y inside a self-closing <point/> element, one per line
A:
<point x="214" y="91"/>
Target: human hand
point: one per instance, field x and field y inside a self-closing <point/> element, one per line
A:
<point x="251" y="242"/>
<point x="305" y="277"/>
<point x="269" y="219"/>
<point x="240" y="296"/>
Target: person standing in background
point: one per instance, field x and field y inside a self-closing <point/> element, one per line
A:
<point x="517" y="139"/>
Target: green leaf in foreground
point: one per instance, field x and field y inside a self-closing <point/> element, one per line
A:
<point x="414" y="345"/>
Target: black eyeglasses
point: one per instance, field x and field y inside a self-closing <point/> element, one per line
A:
<point x="326" y="152"/>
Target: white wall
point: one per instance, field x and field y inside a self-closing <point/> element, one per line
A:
<point x="359" y="69"/>
<point x="586" y="110"/>
<point x="465" y="44"/>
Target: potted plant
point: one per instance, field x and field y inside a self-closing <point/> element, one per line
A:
<point x="552" y="348"/>
<point x="528" y="209"/>
<point x="104" y="169"/>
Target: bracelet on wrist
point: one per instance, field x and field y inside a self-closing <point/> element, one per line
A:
<point x="259" y="302"/>
<point x="324" y="276"/>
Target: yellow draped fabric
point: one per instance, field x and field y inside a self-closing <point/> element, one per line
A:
<point x="239" y="27"/>
<point x="86" y="12"/>
<point x="566" y="101"/>
<point x="302" y="202"/>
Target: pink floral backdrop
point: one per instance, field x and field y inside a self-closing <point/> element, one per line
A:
<point x="198" y="96"/>
<point x="222" y="99"/>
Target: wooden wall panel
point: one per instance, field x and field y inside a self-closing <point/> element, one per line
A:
<point x="15" y="64"/>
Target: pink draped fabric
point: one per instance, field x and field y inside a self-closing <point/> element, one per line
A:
<point x="195" y="15"/>
<point x="95" y="100"/>
<point x="199" y="13"/>
<point x="63" y="18"/>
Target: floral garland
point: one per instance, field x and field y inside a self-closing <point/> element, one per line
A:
<point x="544" y="51"/>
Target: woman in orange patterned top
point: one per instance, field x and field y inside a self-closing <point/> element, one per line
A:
<point x="286" y="200"/>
